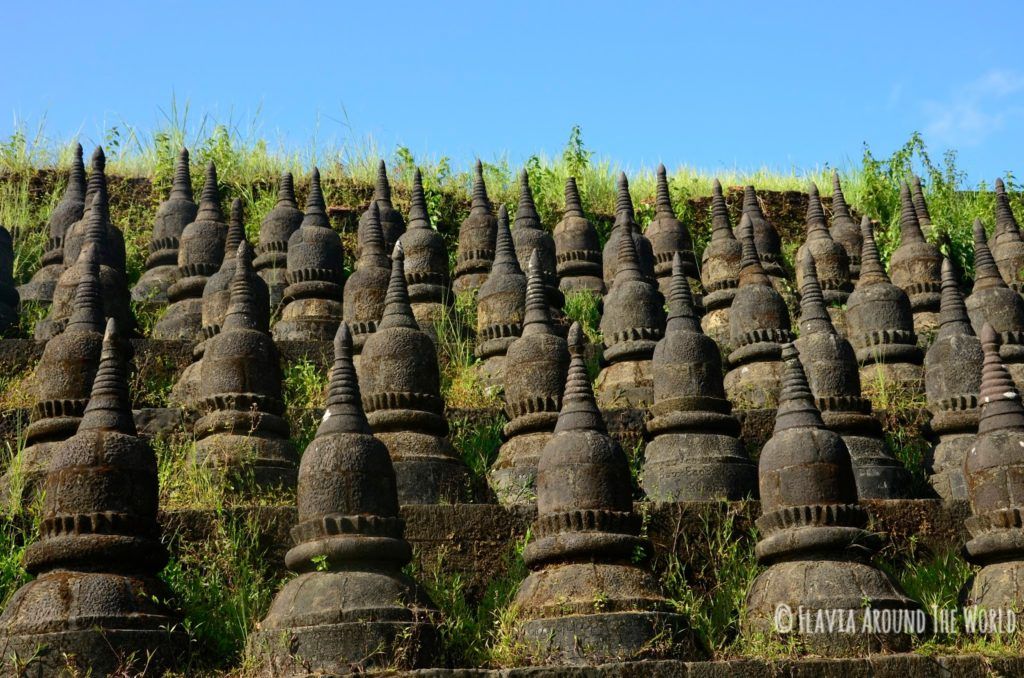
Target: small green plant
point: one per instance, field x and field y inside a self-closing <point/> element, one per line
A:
<point x="477" y="440"/>
<point x="305" y="397"/>
<point x="585" y="308"/>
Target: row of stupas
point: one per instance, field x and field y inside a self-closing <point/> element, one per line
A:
<point x="97" y="596"/>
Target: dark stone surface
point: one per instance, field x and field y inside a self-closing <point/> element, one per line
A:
<point x="426" y="264"/>
<point x="626" y="216"/>
<point x="720" y="271"/>
<point x="529" y="236"/>
<point x="845" y="229"/>
<point x="577" y="246"/>
<point x="915" y="267"/>
<point x="669" y="236"/>
<point x="766" y="236"/>
<point x="695" y="453"/>
<point x="390" y="221"/>
<point x="830" y="259"/>
<point x="276" y="229"/>
<point x="74" y="237"/>
<point x="501" y="305"/>
<point x="173" y="215"/>
<point x="9" y="299"/>
<point x="366" y="287"/>
<point x="477" y="239"/>
<point x="1007" y="244"/>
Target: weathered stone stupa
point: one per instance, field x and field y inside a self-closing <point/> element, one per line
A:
<point x="200" y="254"/>
<point x="845" y="229"/>
<point x="533" y="395"/>
<point x="173" y="215"/>
<point x="758" y="327"/>
<point x="669" y="235"/>
<point x="69" y="210"/>
<point x="831" y="264"/>
<point x="577" y="247"/>
<point x="831" y="369"/>
<point x="63" y="377"/>
<point x="426" y="264"/>
<point x="316" y="277"/>
<point x="719" y="270"/>
<point x="994" y="303"/>
<point x="277" y="227"/>
<point x="585" y="548"/>
<point x="695" y="453"/>
<point x="916" y="266"/>
<point x="113" y="286"/>
<point x="243" y="430"/>
<point x="501" y="305"/>
<point x="812" y="534"/>
<point x="366" y="288"/>
<point x="529" y="236"/>
<point x="994" y="470"/>
<point x="9" y="299"/>
<point x="632" y="323"/>
<point x="401" y="387"/>
<point x="96" y="595"/>
<point x="74" y="238"/>
<point x="625" y="218"/>
<point x="1007" y="244"/>
<point x="952" y="376"/>
<point x="350" y="609"/>
<point x="389" y="220"/>
<point x="477" y="238"/>
<point x="766" y="237"/>
<point x="880" y="327"/>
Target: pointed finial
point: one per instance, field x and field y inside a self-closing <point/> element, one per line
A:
<point x="750" y="203"/>
<point x="815" y="220"/>
<point x="910" y="229"/>
<point x="1000" y="401"/>
<point x="481" y="203"/>
<point x="526" y="212"/>
<point x="315" y="204"/>
<point x="241" y="313"/>
<point x="97" y="183"/>
<point x="209" y="200"/>
<point x="721" y="228"/>
<point x="181" y="187"/>
<point x="839" y="206"/>
<point x="87" y="314"/>
<point x="623" y="201"/>
<point x="344" y="412"/>
<point x="76" y="178"/>
<point x="814" y="315"/>
<point x="418" y="215"/>
<point x="871" y="269"/>
<point x="99" y="160"/>
<point x="537" y="319"/>
<point x="397" y="311"/>
<point x="924" y="217"/>
<point x="986" y="273"/>
<point x="373" y="245"/>
<point x="505" y="261"/>
<point x="628" y="261"/>
<point x="236" y="229"/>
<point x="1004" y="215"/>
<point x="96" y="227"/>
<point x="663" y="201"/>
<point x="796" y="403"/>
<point x="953" y="318"/>
<point x="681" y="316"/>
<point x="286" y="190"/>
<point x="573" y="204"/>
<point x="110" y="407"/>
<point x="382" y="190"/>
<point x="751" y="271"/>
<point x="579" y="409"/>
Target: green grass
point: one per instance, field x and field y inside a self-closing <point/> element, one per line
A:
<point x="305" y="397"/>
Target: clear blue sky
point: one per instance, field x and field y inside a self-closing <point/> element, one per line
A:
<point x="711" y="84"/>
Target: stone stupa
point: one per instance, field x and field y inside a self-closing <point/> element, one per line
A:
<point x="96" y="601"/>
<point x="350" y="608"/>
<point x="668" y="236"/>
<point x="916" y="268"/>
<point x="829" y="257"/>
<point x="389" y="220"/>
<point x="952" y="378"/>
<point x="501" y="305"/>
<point x="173" y="215"/>
<point x="1007" y="243"/>
<point x="477" y="239"/>
<point x="69" y="210"/>
<point x="845" y="229"/>
<point x="312" y="301"/>
<point x="426" y="265"/>
<point x="577" y="247"/>
<point x="9" y="298"/>
<point x="529" y="236"/>
<point x="694" y="453"/>
<point x="720" y="270"/>
<point x="276" y="228"/>
<point x="585" y="549"/>
<point x="813" y="540"/>
<point x="625" y="219"/>
<point x="366" y="288"/>
<point x="401" y="389"/>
